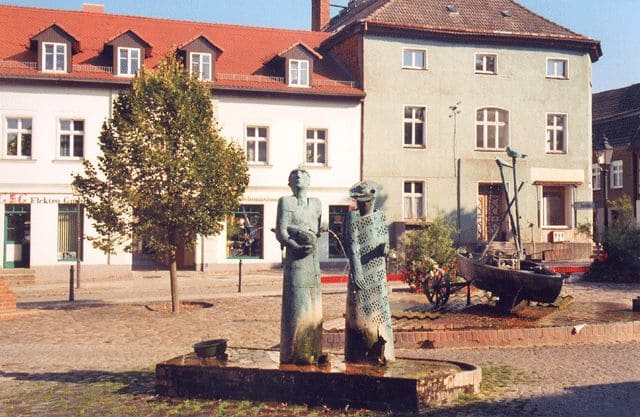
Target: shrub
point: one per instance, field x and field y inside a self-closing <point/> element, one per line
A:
<point x="621" y="244"/>
<point x="428" y="249"/>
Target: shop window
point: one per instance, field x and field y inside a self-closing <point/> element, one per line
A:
<point x="68" y="229"/>
<point x="245" y="232"/>
<point x="337" y="218"/>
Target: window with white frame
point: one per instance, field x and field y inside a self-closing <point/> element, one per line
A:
<point x="70" y="138"/>
<point x="201" y="65"/>
<point x="299" y="73"/>
<point x="616" y="174"/>
<point x="492" y="128"/>
<point x="54" y="57"/>
<point x="414" y="126"/>
<point x="69" y="226"/>
<point x="596" y="176"/>
<point x="555" y="206"/>
<point x="413" y="200"/>
<point x="18" y="137"/>
<point x="128" y="61"/>
<point x="414" y="58"/>
<point x="557" y="68"/>
<point x="556" y="133"/>
<point x="316" y="147"/>
<point x="486" y="63"/>
<point x="257" y="140"/>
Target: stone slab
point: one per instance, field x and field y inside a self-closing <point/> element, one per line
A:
<point x="255" y="374"/>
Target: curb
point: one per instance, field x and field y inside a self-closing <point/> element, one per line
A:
<point x="523" y="337"/>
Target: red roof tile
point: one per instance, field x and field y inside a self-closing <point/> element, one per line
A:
<point x="495" y="18"/>
<point x="246" y="49"/>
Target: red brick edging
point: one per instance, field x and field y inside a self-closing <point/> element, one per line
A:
<point x="541" y="336"/>
<point x="7" y="299"/>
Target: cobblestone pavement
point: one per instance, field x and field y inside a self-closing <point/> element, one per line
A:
<point x="97" y="334"/>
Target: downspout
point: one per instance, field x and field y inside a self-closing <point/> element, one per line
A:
<point x="636" y="210"/>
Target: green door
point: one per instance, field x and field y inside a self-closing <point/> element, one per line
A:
<point x="17" y="234"/>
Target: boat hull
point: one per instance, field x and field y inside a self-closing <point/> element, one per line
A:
<point x="511" y="286"/>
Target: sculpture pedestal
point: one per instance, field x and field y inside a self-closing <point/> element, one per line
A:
<point x="247" y="374"/>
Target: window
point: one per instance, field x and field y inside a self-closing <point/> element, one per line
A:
<point x="337" y="217"/>
<point x="555" y="206"/>
<point x="299" y="73"/>
<point x="557" y="68"/>
<point x="556" y="132"/>
<point x="128" y="61"/>
<point x="245" y="234"/>
<point x="316" y="146"/>
<point x="486" y="64"/>
<point x="616" y="174"/>
<point x="413" y="199"/>
<point x="68" y="228"/>
<point x="595" y="176"/>
<point x="414" y="59"/>
<point x="257" y="140"/>
<point x="201" y="65"/>
<point x="71" y="136"/>
<point x="492" y="129"/>
<point x="54" y="57"/>
<point x="18" y="139"/>
<point x="414" y="126"/>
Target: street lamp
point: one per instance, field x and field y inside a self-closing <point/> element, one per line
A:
<point x="604" y="153"/>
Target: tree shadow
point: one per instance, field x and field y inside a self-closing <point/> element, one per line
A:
<point x="602" y="400"/>
<point x="62" y="305"/>
<point x="135" y="382"/>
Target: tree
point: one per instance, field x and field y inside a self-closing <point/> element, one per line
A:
<point x="164" y="174"/>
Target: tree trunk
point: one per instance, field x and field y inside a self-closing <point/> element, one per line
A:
<point x="175" y="299"/>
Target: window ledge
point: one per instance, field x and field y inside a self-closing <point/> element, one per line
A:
<point x="485" y="73"/>
<point x="564" y="227"/>
<point x="617" y="188"/>
<point x="317" y="166"/>
<point x="556" y="152"/>
<point x="20" y="160"/>
<point x="415" y="69"/>
<point x="414" y="146"/>
<point x="551" y="77"/>
<point x="258" y="165"/>
<point x="490" y="149"/>
<point x="63" y="160"/>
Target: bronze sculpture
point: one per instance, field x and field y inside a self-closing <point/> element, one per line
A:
<point x="297" y="228"/>
<point x="368" y="332"/>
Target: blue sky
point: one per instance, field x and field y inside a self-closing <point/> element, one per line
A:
<point x="614" y="23"/>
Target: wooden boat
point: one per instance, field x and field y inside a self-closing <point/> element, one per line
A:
<point x="530" y="282"/>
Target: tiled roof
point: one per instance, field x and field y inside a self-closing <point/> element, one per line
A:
<point x="495" y="18"/>
<point x="246" y="49"/>
<point x="619" y="131"/>
<point x="616" y="102"/>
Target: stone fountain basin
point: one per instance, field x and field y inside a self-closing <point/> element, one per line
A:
<point x="256" y="374"/>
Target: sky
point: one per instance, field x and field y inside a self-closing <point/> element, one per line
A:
<point x="615" y="23"/>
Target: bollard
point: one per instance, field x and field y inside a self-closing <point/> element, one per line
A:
<point x="240" y="276"/>
<point x="71" y="293"/>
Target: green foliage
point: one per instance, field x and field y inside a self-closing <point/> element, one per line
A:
<point x="427" y="250"/>
<point x="584" y="228"/>
<point x="621" y="244"/>
<point x="164" y="172"/>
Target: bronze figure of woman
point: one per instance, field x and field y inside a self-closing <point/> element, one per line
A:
<point x="297" y="227"/>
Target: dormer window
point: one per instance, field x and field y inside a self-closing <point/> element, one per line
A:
<point x="201" y="65"/>
<point x="55" y="57"/>
<point x="55" y="48"/>
<point x="127" y="51"/>
<point x="298" y="73"/>
<point x="128" y="61"/>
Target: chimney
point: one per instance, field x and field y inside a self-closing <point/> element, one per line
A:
<point x="93" y="8"/>
<point x="320" y="14"/>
